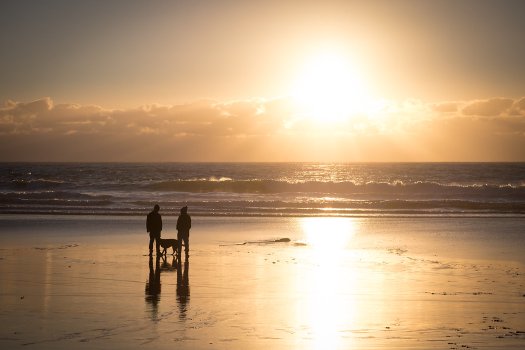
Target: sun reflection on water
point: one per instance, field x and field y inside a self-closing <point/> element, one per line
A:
<point x="328" y="306"/>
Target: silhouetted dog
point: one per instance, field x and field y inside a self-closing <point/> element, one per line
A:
<point x="167" y="243"/>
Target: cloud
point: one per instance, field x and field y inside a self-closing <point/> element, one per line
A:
<point x="262" y="130"/>
<point x="446" y="107"/>
<point x="203" y="118"/>
<point x="492" y="107"/>
<point x="519" y="107"/>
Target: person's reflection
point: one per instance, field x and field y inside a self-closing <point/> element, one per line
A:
<point x="183" y="287"/>
<point x="166" y="266"/>
<point x="152" y="289"/>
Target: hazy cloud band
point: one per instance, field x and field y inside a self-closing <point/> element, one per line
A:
<point x="263" y="130"/>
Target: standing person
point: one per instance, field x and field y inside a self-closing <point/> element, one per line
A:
<point x="183" y="231"/>
<point x="154" y="226"/>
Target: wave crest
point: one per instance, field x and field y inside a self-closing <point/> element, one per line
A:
<point x="342" y="188"/>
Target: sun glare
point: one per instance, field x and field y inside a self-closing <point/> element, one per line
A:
<point x="329" y="88"/>
<point x="328" y="237"/>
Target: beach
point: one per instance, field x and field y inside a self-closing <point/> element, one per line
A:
<point x="253" y="283"/>
<point x="353" y="172"/>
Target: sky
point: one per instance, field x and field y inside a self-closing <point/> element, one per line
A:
<point x="262" y="80"/>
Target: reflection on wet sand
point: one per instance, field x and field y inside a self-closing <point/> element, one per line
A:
<point x="183" y="288"/>
<point x="166" y="266"/>
<point x="153" y="284"/>
<point x="152" y="289"/>
<point x="329" y="284"/>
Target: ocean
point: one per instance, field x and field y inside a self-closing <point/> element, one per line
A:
<point x="265" y="189"/>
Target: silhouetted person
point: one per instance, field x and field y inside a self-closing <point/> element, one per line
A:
<point x="154" y="227"/>
<point x="152" y="289"/>
<point x="183" y="232"/>
<point x="183" y="287"/>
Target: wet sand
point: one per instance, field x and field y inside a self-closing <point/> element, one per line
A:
<point x="254" y="283"/>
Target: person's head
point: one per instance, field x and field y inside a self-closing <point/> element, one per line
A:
<point x="156" y="208"/>
<point x="184" y="210"/>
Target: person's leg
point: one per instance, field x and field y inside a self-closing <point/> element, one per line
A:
<point x="187" y="244"/>
<point x="179" y="245"/>
<point x="157" y="242"/>
<point x="151" y="239"/>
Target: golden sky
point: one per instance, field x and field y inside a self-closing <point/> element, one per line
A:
<point x="262" y="81"/>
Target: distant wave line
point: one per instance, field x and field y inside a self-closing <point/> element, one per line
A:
<point x="349" y="187"/>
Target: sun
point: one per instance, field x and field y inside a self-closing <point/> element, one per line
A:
<point x="329" y="88"/>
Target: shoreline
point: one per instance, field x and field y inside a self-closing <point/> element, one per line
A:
<point x="320" y="215"/>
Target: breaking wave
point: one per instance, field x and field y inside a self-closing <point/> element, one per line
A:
<point x="340" y="188"/>
<point x="243" y="189"/>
